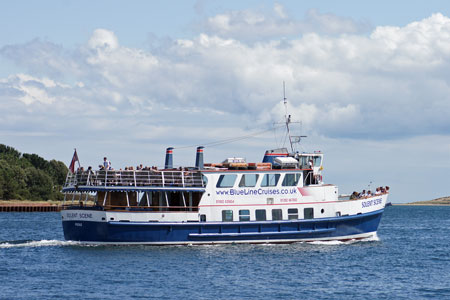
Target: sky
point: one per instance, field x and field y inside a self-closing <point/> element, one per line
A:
<point x="369" y="84"/>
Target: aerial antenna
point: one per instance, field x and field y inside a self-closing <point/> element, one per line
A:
<point x="287" y="120"/>
<point x="287" y="117"/>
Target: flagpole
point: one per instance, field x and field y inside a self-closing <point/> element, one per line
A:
<point x="79" y="165"/>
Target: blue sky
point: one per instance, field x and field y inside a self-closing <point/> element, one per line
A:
<point x="369" y="81"/>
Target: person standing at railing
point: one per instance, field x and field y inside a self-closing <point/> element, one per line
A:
<point x="106" y="163"/>
<point x="90" y="180"/>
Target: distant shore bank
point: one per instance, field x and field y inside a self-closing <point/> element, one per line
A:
<point x="435" y="202"/>
<point x="29" y="206"/>
<point x="29" y="203"/>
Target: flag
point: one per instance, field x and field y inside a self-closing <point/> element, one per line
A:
<point x="72" y="163"/>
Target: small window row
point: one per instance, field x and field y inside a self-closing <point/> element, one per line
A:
<point x="261" y="214"/>
<point x="251" y="180"/>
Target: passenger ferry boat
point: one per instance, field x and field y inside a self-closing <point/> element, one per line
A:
<point x="283" y="199"/>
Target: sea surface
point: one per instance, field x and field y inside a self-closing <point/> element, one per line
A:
<point x="410" y="259"/>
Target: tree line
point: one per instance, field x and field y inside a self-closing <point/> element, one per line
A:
<point x="29" y="176"/>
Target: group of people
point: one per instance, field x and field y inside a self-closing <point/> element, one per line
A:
<point x="106" y="165"/>
<point x="140" y="168"/>
<point x="364" y="194"/>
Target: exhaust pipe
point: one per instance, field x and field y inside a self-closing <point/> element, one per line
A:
<point x="199" y="158"/>
<point x="169" y="158"/>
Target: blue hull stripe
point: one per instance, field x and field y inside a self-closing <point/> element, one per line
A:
<point x="259" y="235"/>
<point x="160" y="232"/>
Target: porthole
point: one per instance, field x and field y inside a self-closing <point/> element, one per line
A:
<point x="322" y="210"/>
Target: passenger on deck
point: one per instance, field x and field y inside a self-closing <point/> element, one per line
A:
<point x="106" y="163"/>
<point x="378" y="191"/>
<point x="354" y="195"/>
<point x="90" y="174"/>
<point x="363" y="194"/>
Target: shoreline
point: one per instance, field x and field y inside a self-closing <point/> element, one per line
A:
<point x="420" y="204"/>
<point x="30" y="203"/>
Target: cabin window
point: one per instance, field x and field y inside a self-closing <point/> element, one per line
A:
<point x="309" y="213"/>
<point x="304" y="161"/>
<point x="226" y="181"/>
<point x="317" y="161"/>
<point x="291" y="179"/>
<point x="227" y="215"/>
<point x="244" y="215"/>
<point x="270" y="180"/>
<point x="202" y="218"/>
<point x="260" y="215"/>
<point x="248" y="180"/>
<point x="277" y="214"/>
<point x="205" y="180"/>
<point x="292" y="213"/>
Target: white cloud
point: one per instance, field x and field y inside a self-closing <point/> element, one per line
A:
<point x="104" y="39"/>
<point x="252" y="26"/>
<point x="382" y="85"/>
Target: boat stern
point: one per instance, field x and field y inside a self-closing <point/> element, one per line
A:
<point x="84" y="225"/>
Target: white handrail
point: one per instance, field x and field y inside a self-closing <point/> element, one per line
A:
<point x="135" y="178"/>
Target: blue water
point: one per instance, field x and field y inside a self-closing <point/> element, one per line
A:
<point x="409" y="260"/>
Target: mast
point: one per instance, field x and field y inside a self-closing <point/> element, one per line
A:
<point x="287" y="117"/>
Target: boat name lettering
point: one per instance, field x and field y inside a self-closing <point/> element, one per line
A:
<point x="254" y="192"/>
<point x="85" y="216"/>
<point x="79" y="216"/>
<point x="371" y="202"/>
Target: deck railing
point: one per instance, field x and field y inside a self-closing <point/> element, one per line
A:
<point x="135" y="178"/>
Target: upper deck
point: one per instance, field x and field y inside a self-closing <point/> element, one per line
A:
<point x="134" y="180"/>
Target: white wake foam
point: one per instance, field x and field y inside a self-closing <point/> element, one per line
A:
<point x="42" y="243"/>
<point x="373" y="238"/>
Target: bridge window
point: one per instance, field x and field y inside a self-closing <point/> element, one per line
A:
<point x="248" y="180"/>
<point x="226" y="181"/>
<point x="317" y="161"/>
<point x="205" y="180"/>
<point x="244" y="215"/>
<point x="260" y="215"/>
<point x="227" y="215"/>
<point x="309" y="213"/>
<point x="270" y="180"/>
<point x="292" y="213"/>
<point x="277" y="214"/>
<point x="291" y="179"/>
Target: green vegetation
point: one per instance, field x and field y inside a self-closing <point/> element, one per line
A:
<point x="29" y="176"/>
